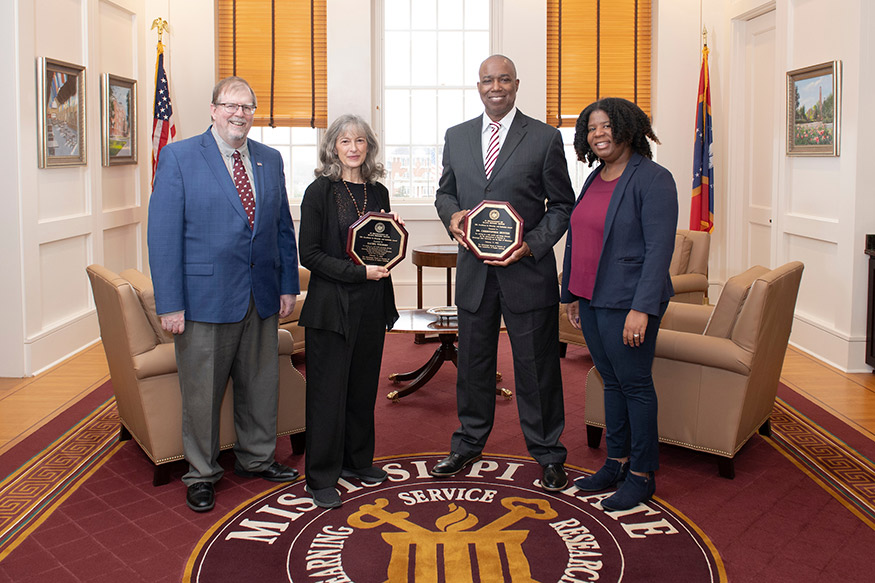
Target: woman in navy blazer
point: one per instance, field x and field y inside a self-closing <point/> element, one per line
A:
<point x="617" y="285"/>
<point x="346" y="314"/>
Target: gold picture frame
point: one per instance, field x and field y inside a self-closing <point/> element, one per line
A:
<point x="61" y="127"/>
<point x="814" y="108"/>
<point x="118" y="120"/>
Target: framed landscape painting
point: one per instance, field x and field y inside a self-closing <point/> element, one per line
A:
<point x="814" y="108"/>
<point x="118" y="120"/>
<point x="60" y="89"/>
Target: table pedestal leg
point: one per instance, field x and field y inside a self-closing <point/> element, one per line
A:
<point x="446" y="351"/>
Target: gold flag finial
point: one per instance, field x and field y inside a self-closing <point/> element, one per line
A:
<point x="705" y="36"/>
<point x="162" y="27"/>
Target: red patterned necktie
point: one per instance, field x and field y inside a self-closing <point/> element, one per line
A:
<point x="492" y="150"/>
<point x="244" y="188"/>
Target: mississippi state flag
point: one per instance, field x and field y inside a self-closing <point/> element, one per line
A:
<point x="163" y="130"/>
<point x="702" y="205"/>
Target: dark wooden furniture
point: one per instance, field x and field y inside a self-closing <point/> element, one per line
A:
<point x="433" y="256"/>
<point x="421" y="322"/>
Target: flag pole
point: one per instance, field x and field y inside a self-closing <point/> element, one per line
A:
<point x="702" y="202"/>
<point x="163" y="128"/>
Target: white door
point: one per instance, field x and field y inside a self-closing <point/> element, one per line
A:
<point x="759" y="138"/>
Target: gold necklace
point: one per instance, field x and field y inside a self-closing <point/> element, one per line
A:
<point x="360" y="213"/>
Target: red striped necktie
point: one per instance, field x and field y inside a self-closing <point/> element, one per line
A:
<point x="492" y="150"/>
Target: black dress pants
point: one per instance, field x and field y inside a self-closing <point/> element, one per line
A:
<point x="342" y="378"/>
<point x="534" y="338"/>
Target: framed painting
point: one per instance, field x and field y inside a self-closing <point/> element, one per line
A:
<point x="61" y="127"/>
<point x="118" y="120"/>
<point x="814" y="109"/>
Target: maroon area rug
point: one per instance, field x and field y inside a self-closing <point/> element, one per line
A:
<point x="491" y="522"/>
<point x="773" y="522"/>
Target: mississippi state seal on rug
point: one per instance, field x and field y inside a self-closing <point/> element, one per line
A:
<point x="492" y="522"/>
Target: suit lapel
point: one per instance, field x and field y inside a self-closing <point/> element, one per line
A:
<point x="214" y="160"/>
<point x="258" y="175"/>
<point x="515" y="135"/>
<point x="620" y="192"/>
<point x="475" y="141"/>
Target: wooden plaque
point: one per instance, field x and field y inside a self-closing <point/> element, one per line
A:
<point x="377" y="239"/>
<point x="493" y="230"/>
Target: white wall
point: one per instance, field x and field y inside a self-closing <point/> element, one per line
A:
<point x="54" y="222"/>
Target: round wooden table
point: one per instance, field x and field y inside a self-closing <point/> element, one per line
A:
<point x="435" y="256"/>
<point x="421" y="322"/>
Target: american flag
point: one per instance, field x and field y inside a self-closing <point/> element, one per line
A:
<point x="163" y="129"/>
<point x="702" y="204"/>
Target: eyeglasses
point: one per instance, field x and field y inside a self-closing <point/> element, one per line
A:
<point x="233" y="107"/>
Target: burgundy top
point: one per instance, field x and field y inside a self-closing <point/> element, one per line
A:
<point x="588" y="232"/>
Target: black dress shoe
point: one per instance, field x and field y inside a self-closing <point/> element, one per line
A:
<point x="453" y="464"/>
<point x="201" y="497"/>
<point x="554" y="478"/>
<point x="275" y="472"/>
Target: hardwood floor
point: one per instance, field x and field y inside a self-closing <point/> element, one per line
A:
<point x="27" y="404"/>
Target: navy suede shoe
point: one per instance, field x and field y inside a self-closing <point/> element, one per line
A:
<point x="634" y="491"/>
<point x="610" y="474"/>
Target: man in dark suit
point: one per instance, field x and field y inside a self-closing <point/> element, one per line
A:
<point x="531" y="173"/>
<point x="224" y="265"/>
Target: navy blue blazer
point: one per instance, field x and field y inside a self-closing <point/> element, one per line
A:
<point x="203" y="256"/>
<point x="640" y="230"/>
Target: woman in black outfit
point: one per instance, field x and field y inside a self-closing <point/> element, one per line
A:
<point x="346" y="313"/>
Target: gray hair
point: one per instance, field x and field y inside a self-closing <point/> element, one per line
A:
<point x="230" y="82"/>
<point x="330" y="165"/>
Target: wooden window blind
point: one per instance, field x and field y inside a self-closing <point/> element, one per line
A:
<point x="595" y="49"/>
<point x="279" y="47"/>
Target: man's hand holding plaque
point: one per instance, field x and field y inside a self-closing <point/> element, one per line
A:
<point x="493" y="231"/>
<point x="377" y="239"/>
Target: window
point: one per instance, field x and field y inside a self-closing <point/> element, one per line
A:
<point x="577" y="170"/>
<point x="431" y="54"/>
<point x="298" y="147"/>
<point x="596" y="49"/>
<point x="280" y="49"/>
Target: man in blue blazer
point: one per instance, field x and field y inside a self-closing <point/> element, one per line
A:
<point x="531" y="173"/>
<point x="225" y="268"/>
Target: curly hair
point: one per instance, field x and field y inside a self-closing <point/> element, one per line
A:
<point x="629" y="125"/>
<point x="330" y="165"/>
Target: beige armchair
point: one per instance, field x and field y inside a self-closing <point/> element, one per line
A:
<point x="689" y="277"/>
<point x="689" y="266"/>
<point x="290" y="322"/>
<point x="716" y="369"/>
<point x="142" y="367"/>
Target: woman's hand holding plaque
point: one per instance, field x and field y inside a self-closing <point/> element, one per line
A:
<point x="377" y="239"/>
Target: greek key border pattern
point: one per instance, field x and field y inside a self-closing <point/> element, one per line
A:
<point x="842" y="469"/>
<point x="33" y="492"/>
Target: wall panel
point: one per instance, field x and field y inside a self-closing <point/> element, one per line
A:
<point x="64" y="285"/>
<point x="121" y="247"/>
<point x="821" y="279"/>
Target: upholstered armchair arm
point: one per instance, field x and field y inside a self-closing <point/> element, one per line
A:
<point x="703" y="350"/>
<point x="686" y="318"/>
<point x="689" y="282"/>
<point x="160" y="360"/>
<point x="286" y="342"/>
